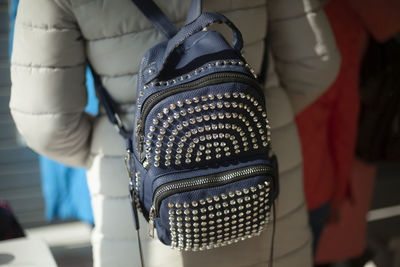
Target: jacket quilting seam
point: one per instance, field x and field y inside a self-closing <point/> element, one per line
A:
<point x="299" y="60"/>
<point x="118" y="75"/>
<point x="282" y="126"/>
<point x="47" y="28"/>
<point x="302" y="15"/>
<point x="94" y="154"/>
<point x="296" y="209"/>
<point x="122" y="197"/>
<point x="291" y="168"/>
<point x="175" y="22"/>
<point x="119" y="35"/>
<point x="32" y="66"/>
<point x="13" y="109"/>
<point x="286" y="255"/>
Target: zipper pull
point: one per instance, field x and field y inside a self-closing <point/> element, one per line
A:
<point x="151" y="221"/>
<point x="139" y="139"/>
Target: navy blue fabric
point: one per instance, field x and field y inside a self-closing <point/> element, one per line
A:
<point x="194" y="11"/>
<point x="153" y="68"/>
<point x="156" y="17"/>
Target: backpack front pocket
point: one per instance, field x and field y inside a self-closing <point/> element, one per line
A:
<point x="213" y="210"/>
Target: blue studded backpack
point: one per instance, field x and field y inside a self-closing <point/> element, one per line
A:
<point x="199" y="156"/>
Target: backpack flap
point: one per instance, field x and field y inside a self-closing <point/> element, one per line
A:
<point x="153" y="64"/>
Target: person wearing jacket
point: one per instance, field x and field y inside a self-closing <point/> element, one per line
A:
<point x="53" y="41"/>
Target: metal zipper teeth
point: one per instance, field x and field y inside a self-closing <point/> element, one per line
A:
<point x="213" y="180"/>
<point x="208" y="80"/>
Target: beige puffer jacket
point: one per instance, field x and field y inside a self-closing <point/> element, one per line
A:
<point x="55" y="38"/>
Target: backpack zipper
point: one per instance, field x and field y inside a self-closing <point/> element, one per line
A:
<point x="201" y="182"/>
<point x="211" y="79"/>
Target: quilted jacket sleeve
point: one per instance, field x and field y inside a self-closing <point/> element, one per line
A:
<point x="306" y="57"/>
<point x="48" y="94"/>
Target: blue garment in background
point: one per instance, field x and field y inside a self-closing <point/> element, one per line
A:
<point x="65" y="189"/>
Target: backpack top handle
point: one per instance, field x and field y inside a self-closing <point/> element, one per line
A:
<point x="203" y="21"/>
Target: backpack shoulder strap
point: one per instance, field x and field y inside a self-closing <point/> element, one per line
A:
<point x="194" y="11"/>
<point x="159" y="20"/>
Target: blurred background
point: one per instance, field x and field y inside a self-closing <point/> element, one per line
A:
<point x="43" y="201"/>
